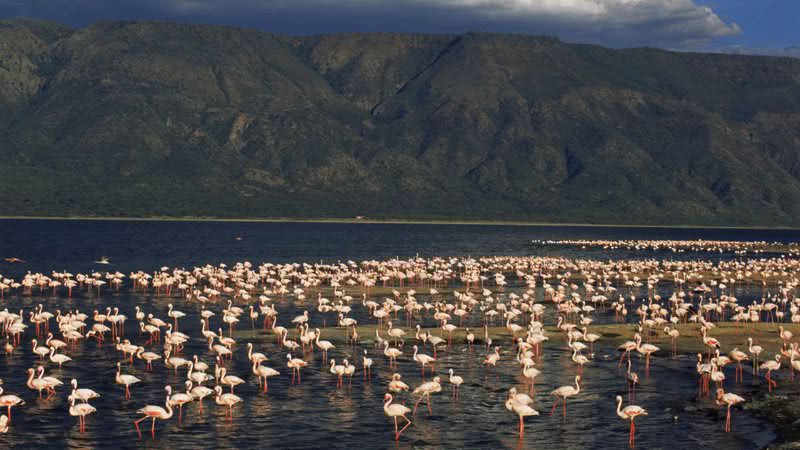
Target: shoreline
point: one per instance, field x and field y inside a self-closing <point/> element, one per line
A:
<point x="370" y="221"/>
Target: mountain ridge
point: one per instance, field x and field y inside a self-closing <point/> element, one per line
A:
<point x="163" y="119"/>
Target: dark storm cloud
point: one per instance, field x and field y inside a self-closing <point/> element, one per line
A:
<point x="665" y="23"/>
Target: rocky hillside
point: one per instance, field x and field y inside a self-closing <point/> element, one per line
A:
<point x="147" y="118"/>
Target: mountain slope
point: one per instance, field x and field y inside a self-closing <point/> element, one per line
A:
<point x="148" y="118"/>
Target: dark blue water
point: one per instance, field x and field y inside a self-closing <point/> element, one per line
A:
<point x="147" y="245"/>
<point x="316" y="413"/>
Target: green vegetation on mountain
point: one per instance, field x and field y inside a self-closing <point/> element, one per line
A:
<point x="161" y="119"/>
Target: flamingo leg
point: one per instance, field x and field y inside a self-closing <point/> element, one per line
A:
<point x="408" y="424"/>
<point x="136" y="424"/>
<point x="416" y="405"/>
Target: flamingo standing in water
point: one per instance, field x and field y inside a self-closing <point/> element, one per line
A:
<point x="729" y="399"/>
<point x="674" y="334"/>
<point x="396" y="385"/>
<point x="295" y="364"/>
<point x="646" y="350"/>
<point x="155" y="412"/>
<point x="227" y="400"/>
<point x="175" y="315"/>
<point x="565" y="392"/>
<point x="531" y="373"/>
<point x="263" y="373"/>
<point x="367" y="365"/>
<point x="769" y="366"/>
<point x="627" y="347"/>
<point x="456" y="381"/>
<point x="738" y="356"/>
<point x="424" y="360"/>
<point x="182" y="398"/>
<point x="394" y="411"/>
<point x="81" y="410"/>
<point x="425" y="390"/>
<point x="391" y="353"/>
<point x="630" y="413"/>
<point x="82" y="394"/>
<point x="754" y="350"/>
<point x="9" y="401"/>
<point x="125" y="380"/>
<point x="58" y="358"/>
<point x="633" y="380"/>
<point x="199" y="393"/>
<point x="522" y="409"/>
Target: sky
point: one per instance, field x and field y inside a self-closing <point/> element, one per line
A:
<point x="738" y="26"/>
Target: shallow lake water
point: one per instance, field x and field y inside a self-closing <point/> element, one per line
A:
<point x="316" y="413"/>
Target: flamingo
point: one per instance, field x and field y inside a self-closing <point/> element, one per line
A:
<point x="395" y="410"/>
<point x="263" y="373"/>
<point x="729" y="399"/>
<point x="36" y="384"/>
<point x="633" y="380"/>
<point x="754" y="350"/>
<point x="337" y="370"/>
<point x="50" y="382"/>
<point x="324" y="346"/>
<point x="492" y="358"/>
<point x="227" y="400"/>
<point x="521" y="409"/>
<point x="254" y="357"/>
<point x="80" y="411"/>
<point x="391" y="353"/>
<point x="199" y="393"/>
<point x="565" y="392"/>
<point x="423" y="360"/>
<point x="40" y="350"/>
<point x="295" y="364"/>
<point x="456" y="381"/>
<point x="83" y="395"/>
<point x="769" y="366"/>
<point x="738" y="356"/>
<point x="674" y="334"/>
<point x="627" y="347"/>
<point x="154" y="412"/>
<point x="230" y="380"/>
<point x="349" y="370"/>
<point x="182" y="398"/>
<point x="646" y="350"/>
<point x="579" y="359"/>
<point x="126" y="380"/>
<point x="793" y="363"/>
<point x="367" y="364"/>
<point x="175" y="315"/>
<point x="709" y="342"/>
<point x="9" y="401"/>
<point x="425" y="390"/>
<point x="396" y="333"/>
<point x="396" y="385"/>
<point x="59" y="358"/>
<point x="630" y="413"/>
<point x="531" y="372"/>
<point x="148" y="357"/>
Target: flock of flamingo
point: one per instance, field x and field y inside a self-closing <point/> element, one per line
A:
<point x="453" y="293"/>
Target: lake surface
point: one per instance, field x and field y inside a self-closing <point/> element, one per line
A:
<point x="315" y="413"/>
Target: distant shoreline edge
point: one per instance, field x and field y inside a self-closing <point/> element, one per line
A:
<point x="397" y="221"/>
